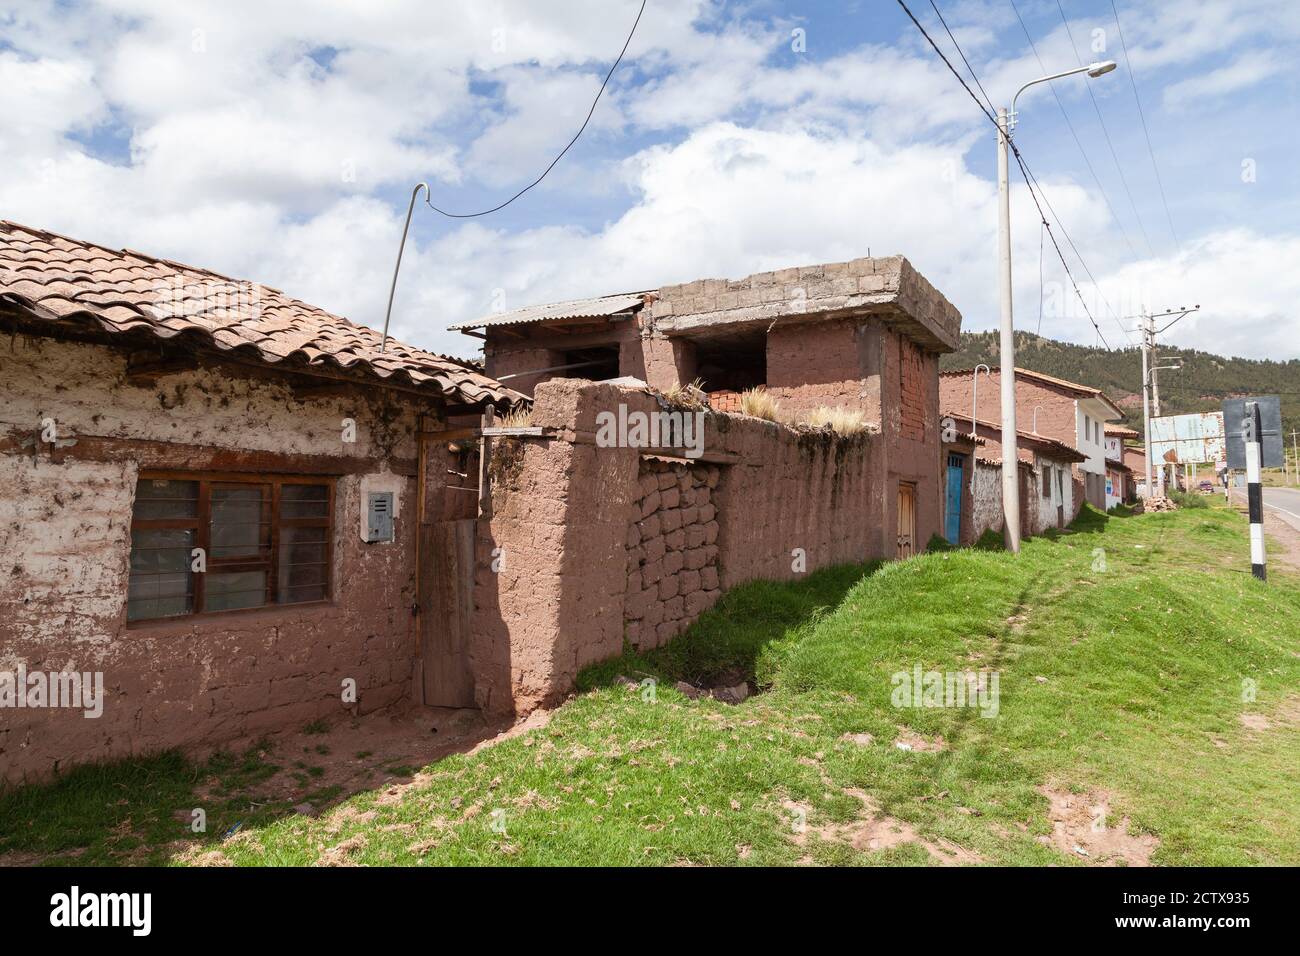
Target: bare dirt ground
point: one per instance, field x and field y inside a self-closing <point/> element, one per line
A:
<point x="1082" y="828"/>
<point x="325" y="763"/>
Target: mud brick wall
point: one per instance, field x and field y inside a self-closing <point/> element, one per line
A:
<point x="911" y="391"/>
<point x="65" y="539"/>
<point x="672" y="552"/>
<point x="986" y="498"/>
<point x="825" y="363"/>
<point x="604" y="545"/>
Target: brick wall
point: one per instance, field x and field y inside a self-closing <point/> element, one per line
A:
<point x="827" y="363"/>
<point x="911" y="391"/>
<point x="724" y="401"/>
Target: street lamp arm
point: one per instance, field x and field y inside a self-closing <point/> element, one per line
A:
<point x="1092" y="69"/>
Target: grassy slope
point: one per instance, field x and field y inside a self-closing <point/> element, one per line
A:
<point x="1117" y="679"/>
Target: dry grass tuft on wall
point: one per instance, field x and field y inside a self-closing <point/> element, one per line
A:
<point x="757" y="403"/>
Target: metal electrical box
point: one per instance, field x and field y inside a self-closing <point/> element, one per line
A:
<point x="379" y="516"/>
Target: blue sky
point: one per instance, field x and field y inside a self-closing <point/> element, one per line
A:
<point x="281" y="145"/>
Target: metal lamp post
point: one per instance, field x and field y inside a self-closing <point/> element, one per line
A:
<point x="1010" y="457"/>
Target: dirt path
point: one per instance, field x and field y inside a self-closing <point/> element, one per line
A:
<point x="1283" y="536"/>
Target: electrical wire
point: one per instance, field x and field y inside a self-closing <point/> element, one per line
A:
<point x="1073" y="133"/>
<point x="1023" y="171"/>
<point x="1106" y="134"/>
<point x="957" y="46"/>
<point x="590" y="113"/>
<point x="1142" y="116"/>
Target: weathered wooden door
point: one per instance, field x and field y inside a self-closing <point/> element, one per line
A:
<point x="906" y="519"/>
<point x="446" y="595"/>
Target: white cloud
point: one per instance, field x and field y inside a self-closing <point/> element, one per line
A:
<point x="276" y="143"/>
<point x="1242" y="73"/>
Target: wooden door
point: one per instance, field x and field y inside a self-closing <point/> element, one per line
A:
<point x="906" y="519"/>
<point x="952" y="501"/>
<point x="446" y="594"/>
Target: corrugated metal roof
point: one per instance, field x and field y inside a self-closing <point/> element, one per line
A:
<point x="597" y="308"/>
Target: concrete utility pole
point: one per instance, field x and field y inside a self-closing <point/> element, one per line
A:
<point x="1010" y="456"/>
<point x="1146" y="399"/>
<point x="1295" y="453"/>
<point x="1150" y="386"/>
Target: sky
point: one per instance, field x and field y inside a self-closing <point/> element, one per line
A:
<point x="281" y="142"/>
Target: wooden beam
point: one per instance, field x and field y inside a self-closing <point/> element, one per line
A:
<point x="144" y="368"/>
<point x="485" y="465"/>
<point x="178" y="456"/>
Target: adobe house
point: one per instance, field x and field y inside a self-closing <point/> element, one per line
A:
<point x="217" y="498"/>
<point x="862" y="335"/>
<point x="1121" y="485"/>
<point x="1047" y="498"/>
<point x="1067" y="412"/>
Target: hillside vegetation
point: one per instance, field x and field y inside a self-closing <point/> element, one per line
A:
<point x="1203" y="383"/>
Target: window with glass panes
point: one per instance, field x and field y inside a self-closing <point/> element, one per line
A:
<point x="265" y="541"/>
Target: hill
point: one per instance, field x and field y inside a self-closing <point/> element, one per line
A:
<point x="1202" y="384"/>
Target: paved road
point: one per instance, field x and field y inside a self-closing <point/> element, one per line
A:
<point x="1285" y="503"/>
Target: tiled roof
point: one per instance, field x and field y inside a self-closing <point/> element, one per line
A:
<point x="597" y="308"/>
<point x="65" y="281"/>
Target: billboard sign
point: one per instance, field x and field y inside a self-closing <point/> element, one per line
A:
<point x="1188" y="439"/>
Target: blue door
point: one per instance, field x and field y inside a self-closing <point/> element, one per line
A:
<point x="952" y="510"/>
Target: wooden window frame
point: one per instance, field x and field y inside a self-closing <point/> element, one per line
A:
<point x="201" y="525"/>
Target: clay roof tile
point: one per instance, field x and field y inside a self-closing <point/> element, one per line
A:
<point x="58" y="279"/>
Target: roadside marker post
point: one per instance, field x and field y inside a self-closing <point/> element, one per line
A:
<point x="1253" y="431"/>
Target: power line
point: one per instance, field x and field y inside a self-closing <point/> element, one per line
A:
<point x="1141" y="115"/>
<point x="1023" y="171"/>
<point x="397" y="267"/>
<point x="1029" y="175"/>
<point x="590" y="113"/>
<point x="1106" y="134"/>
<point x="957" y="46"/>
<point x="1077" y="142"/>
<point x="987" y="114"/>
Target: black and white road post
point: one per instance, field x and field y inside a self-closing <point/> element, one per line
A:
<point x="1254" y="435"/>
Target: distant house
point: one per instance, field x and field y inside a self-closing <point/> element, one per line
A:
<point x="1120" y="483"/>
<point x="1047" y="498"/>
<point x="863" y="335"/>
<point x="1067" y="412"/>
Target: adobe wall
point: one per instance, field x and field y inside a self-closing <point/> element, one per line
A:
<point x="986" y="498"/>
<point x="603" y="544"/>
<point x="672" y="551"/>
<point x="833" y="363"/>
<point x="65" y="539"/>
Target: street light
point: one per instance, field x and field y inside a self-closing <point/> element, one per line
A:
<point x="1010" y="457"/>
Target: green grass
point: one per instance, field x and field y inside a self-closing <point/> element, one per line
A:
<point x="1121" y="647"/>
